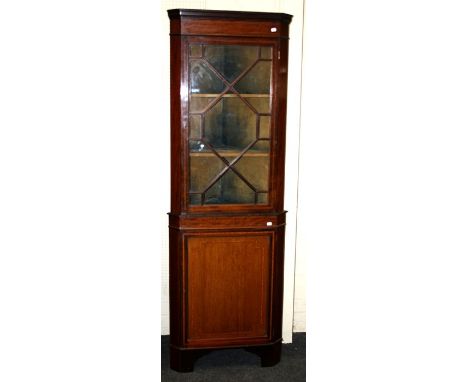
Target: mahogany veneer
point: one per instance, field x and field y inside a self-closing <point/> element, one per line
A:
<point x="227" y="220"/>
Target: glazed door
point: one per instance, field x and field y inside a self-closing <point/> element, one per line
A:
<point x="229" y="139"/>
<point x="228" y="283"/>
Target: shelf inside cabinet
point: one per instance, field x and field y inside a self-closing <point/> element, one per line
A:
<point x="228" y="95"/>
<point x="230" y="153"/>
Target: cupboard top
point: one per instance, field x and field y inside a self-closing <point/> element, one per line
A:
<point x="205" y="13"/>
<point x="194" y="22"/>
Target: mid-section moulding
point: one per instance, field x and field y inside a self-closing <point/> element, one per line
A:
<point x="219" y="222"/>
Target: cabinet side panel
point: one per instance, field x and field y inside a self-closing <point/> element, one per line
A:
<point x="176" y="113"/>
<point x="228" y="286"/>
<point x="281" y="97"/>
<point x="175" y="287"/>
<point x="277" y="285"/>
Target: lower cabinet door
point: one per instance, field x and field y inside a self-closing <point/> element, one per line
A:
<point x="227" y="287"/>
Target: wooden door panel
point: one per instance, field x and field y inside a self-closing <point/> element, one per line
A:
<point x="228" y="286"/>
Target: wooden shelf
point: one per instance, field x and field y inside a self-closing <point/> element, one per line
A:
<point x="229" y="153"/>
<point x="228" y="95"/>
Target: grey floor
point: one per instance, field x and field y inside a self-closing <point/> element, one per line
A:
<point x="238" y="365"/>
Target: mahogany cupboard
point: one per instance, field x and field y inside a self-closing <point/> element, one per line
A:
<point x="227" y="221"/>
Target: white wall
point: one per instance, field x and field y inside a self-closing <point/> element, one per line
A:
<point x="383" y="190"/>
<point x="80" y="180"/>
<point x="295" y="8"/>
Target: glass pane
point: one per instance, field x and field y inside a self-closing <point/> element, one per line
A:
<point x="264" y="131"/>
<point x="195" y="199"/>
<point x="260" y="104"/>
<point x="231" y="60"/>
<point x="254" y="165"/>
<point x="203" y="80"/>
<point x="204" y="167"/>
<point x="195" y="126"/>
<point x="230" y="189"/>
<point x="197" y="146"/>
<point x="230" y="125"/>
<point x="262" y="198"/>
<point x="199" y="102"/>
<point x="196" y="51"/>
<point x="257" y="80"/>
<point x="265" y="52"/>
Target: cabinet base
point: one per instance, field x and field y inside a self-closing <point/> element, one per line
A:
<point x="270" y="355"/>
<point x="182" y="360"/>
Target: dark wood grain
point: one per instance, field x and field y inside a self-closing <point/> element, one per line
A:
<point x="226" y="260"/>
<point x="228" y="286"/>
<point x="176" y="115"/>
<point x="232" y="28"/>
<point x="243" y="15"/>
<point x="223" y="222"/>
